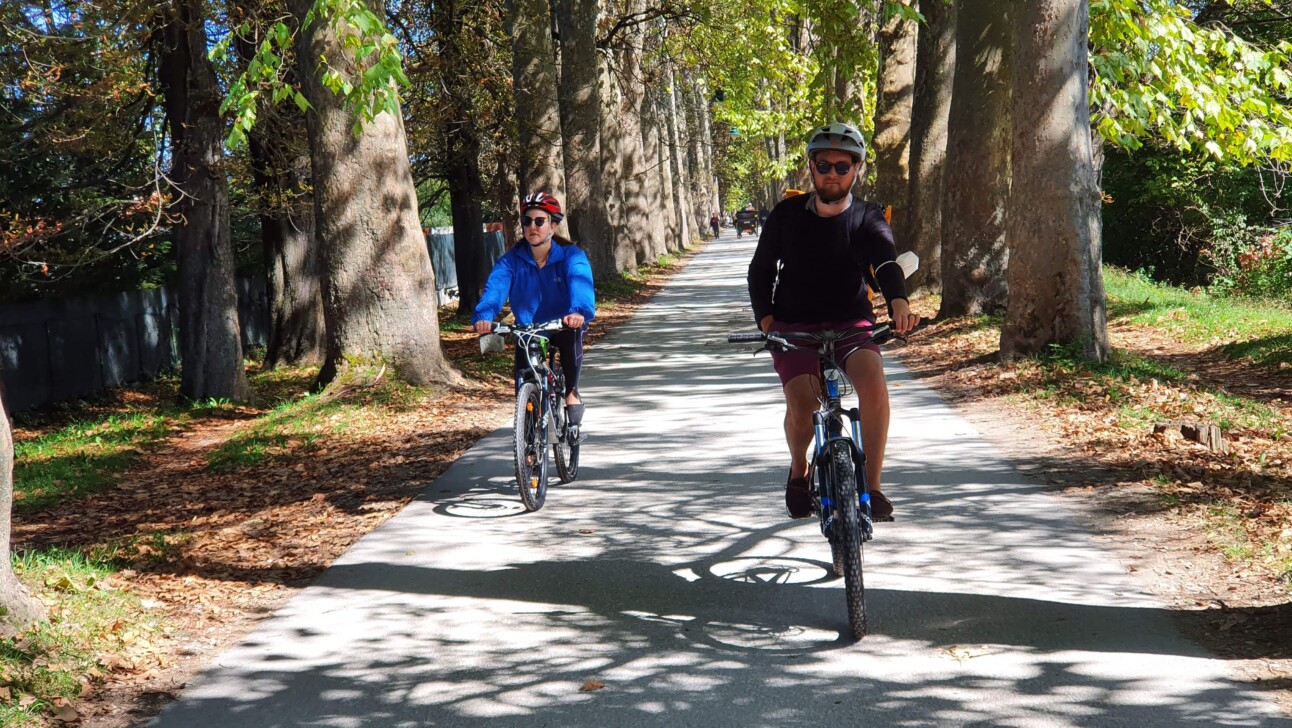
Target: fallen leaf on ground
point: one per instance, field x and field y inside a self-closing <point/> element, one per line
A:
<point x="591" y="685"/>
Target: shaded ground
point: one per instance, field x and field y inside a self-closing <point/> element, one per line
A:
<point x="1209" y="533"/>
<point x="218" y="551"/>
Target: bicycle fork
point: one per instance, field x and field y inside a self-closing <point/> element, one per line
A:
<point x="825" y="433"/>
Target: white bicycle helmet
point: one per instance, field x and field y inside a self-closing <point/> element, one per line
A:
<point x="839" y="136"/>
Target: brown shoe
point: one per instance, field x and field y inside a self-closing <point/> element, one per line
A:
<point x="798" y="499"/>
<point x="881" y="508"/>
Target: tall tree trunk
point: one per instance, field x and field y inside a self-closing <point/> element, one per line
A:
<point x="614" y="136"/>
<point x="280" y="166"/>
<point x="538" y="111"/>
<point x="466" y="193"/>
<point x="461" y="139"/>
<point x="934" y="70"/>
<point x="581" y="132"/>
<point x="703" y="112"/>
<point x="895" y="92"/>
<point x="701" y="208"/>
<point x="680" y="180"/>
<point x="635" y="242"/>
<point x="292" y="268"/>
<point x="210" y="339"/>
<point x="656" y="207"/>
<point x="977" y="180"/>
<point x="18" y="608"/>
<point x="507" y="197"/>
<point x="378" y="288"/>
<point x="1056" y="289"/>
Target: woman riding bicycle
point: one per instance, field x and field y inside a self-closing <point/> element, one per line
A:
<point x="813" y="269"/>
<point x="546" y="277"/>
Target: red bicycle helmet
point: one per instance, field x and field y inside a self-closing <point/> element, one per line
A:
<point x="544" y="202"/>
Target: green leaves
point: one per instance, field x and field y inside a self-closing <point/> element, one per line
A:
<point x="1158" y="75"/>
<point x="368" y="77"/>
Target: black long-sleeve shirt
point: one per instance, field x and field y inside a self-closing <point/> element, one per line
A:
<point x="811" y="269"/>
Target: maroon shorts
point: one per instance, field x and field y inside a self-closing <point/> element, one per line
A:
<point x="791" y="364"/>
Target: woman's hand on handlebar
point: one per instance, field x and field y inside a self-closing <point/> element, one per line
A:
<point x="903" y="320"/>
<point x="483" y="327"/>
<point x="573" y="321"/>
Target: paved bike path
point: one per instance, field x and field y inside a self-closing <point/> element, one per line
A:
<point x="669" y="574"/>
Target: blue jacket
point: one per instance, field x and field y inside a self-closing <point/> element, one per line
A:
<point x="563" y="286"/>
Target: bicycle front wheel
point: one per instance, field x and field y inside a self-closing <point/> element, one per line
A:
<point x="565" y="449"/>
<point x="566" y="452"/>
<point x="531" y="447"/>
<point x="846" y="534"/>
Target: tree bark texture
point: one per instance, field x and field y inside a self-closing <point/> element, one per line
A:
<point x="280" y="167"/>
<point x="538" y="110"/>
<point x="658" y="201"/>
<point x="292" y="267"/>
<point x="701" y="95"/>
<point x="680" y="173"/>
<point x="378" y="287"/>
<point x="934" y="70"/>
<point x="18" y="608"/>
<point x="581" y="132"/>
<point x="1056" y="292"/>
<point x="614" y="136"/>
<point x="894" y="98"/>
<point x="210" y="338"/>
<point x="977" y="179"/>
<point x="701" y="208"/>
<point x="466" y="195"/>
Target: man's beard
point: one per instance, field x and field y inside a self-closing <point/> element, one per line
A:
<point x="831" y="200"/>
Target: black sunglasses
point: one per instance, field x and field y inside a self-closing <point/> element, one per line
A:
<point x="840" y="168"/>
<point x="535" y="221"/>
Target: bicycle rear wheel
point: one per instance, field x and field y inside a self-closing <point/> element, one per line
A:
<point x="531" y="447"/>
<point x="845" y="536"/>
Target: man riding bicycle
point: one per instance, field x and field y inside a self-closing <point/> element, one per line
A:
<point x="818" y="259"/>
<point x="546" y="277"/>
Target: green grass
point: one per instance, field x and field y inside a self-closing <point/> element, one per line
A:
<point x="84" y="457"/>
<point x="51" y="660"/>
<point x="292" y="425"/>
<point x="88" y="456"/>
<point x="1259" y="331"/>
<point x="300" y="425"/>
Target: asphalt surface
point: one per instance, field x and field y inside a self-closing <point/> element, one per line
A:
<point x="669" y="574"/>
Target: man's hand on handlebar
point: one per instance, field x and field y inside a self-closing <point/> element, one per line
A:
<point x="903" y="320"/>
<point x="765" y="324"/>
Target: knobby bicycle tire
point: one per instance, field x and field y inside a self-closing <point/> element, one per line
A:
<point x="846" y="533"/>
<point x="531" y="447"/>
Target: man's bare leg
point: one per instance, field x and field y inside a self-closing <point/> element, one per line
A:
<point x="800" y="401"/>
<point x="866" y="371"/>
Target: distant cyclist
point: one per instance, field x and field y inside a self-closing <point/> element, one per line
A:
<point x="546" y="277"/>
<point x="813" y="269"/>
<point x="715" y="224"/>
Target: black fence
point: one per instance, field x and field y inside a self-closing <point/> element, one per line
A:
<point x="59" y="350"/>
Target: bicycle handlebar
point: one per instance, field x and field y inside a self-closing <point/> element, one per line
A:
<point x="779" y="340"/>
<point x="553" y="325"/>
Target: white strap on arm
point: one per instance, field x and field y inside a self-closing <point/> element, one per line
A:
<point x="881" y="266"/>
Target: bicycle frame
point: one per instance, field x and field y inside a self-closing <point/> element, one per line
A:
<point x="540" y="358"/>
<point x="828" y="420"/>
